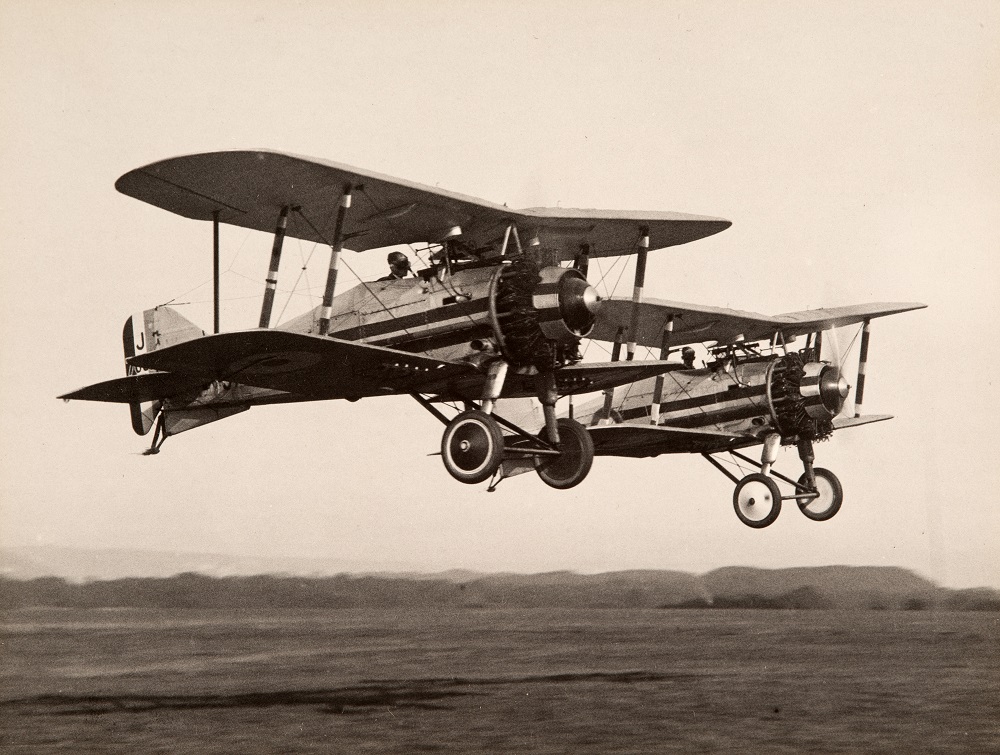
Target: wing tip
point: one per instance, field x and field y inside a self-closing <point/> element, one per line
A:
<point x="896" y="307"/>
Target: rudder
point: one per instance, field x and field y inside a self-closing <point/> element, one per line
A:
<point x="147" y="331"/>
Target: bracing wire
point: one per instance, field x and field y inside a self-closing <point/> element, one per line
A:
<point x="350" y="269"/>
<point x="302" y="272"/>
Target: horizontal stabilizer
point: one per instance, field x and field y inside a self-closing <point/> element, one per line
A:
<point x="249" y="188"/>
<point x="842" y="422"/>
<point x="694" y="323"/>
<point x="133" y="389"/>
<point x="636" y="440"/>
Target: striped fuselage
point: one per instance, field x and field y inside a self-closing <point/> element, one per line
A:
<point x="727" y="399"/>
<point x="439" y="318"/>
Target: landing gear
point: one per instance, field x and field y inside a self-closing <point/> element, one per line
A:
<point x="829" y="495"/>
<point x="757" y="500"/>
<point x="818" y="491"/>
<point x="472" y="447"/>
<point x="567" y="436"/>
<point x="576" y="455"/>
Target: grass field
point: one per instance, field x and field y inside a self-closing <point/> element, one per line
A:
<point x="499" y="681"/>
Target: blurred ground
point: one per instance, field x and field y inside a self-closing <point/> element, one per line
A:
<point x="499" y="681"/>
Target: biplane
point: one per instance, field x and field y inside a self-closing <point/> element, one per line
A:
<point x="499" y="313"/>
<point x="754" y="389"/>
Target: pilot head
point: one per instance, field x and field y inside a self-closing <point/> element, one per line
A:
<point x="399" y="265"/>
<point x="687" y="354"/>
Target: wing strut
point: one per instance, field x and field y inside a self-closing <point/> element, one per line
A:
<point x="859" y="393"/>
<point x="654" y="409"/>
<point x="640" y="280"/>
<point x="272" y="273"/>
<point x="335" y="248"/>
<point x="609" y="393"/>
<point x="582" y="261"/>
<point x="510" y="231"/>
<point x="215" y="270"/>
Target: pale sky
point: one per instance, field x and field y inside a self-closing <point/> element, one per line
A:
<point x="854" y="146"/>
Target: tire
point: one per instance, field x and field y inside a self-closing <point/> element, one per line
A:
<point x="831" y="496"/>
<point x="576" y="456"/>
<point x="472" y="447"/>
<point x="757" y="500"/>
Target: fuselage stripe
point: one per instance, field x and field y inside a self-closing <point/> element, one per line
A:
<point x="438" y="315"/>
<point x="700" y="419"/>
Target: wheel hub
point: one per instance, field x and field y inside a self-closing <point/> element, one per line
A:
<point x="470" y="446"/>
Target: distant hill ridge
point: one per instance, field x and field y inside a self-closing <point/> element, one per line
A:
<point x="828" y="587"/>
<point x="84" y="564"/>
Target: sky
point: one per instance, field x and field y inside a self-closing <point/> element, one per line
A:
<point x="854" y="146"/>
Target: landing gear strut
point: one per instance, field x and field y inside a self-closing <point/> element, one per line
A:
<point x="475" y="448"/>
<point x="823" y="489"/>
<point x="757" y="498"/>
<point x="576" y="455"/>
<point x="829" y="495"/>
<point x="567" y="436"/>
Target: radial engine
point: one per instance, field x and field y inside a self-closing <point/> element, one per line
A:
<point x="539" y="315"/>
<point x="804" y="396"/>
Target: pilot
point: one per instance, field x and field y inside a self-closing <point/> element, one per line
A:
<point x="687" y="355"/>
<point x="399" y="267"/>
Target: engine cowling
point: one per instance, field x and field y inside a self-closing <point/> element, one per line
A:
<point x="540" y="315"/>
<point x="567" y="305"/>
<point x="804" y="397"/>
<point x="823" y="389"/>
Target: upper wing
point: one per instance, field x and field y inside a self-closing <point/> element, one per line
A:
<point x="310" y="366"/>
<point x="249" y="188"/>
<point x="694" y="323"/>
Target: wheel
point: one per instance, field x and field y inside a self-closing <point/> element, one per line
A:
<point x="472" y="447"/>
<point x="831" y="495"/>
<point x="576" y="455"/>
<point x="757" y="500"/>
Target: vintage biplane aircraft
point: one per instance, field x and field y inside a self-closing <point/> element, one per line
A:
<point x="497" y="315"/>
<point x="754" y="389"/>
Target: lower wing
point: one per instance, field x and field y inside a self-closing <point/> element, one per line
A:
<point x="651" y="440"/>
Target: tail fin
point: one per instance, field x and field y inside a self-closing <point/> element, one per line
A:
<point x="145" y="332"/>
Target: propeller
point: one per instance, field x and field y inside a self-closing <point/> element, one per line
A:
<point x="839" y="344"/>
